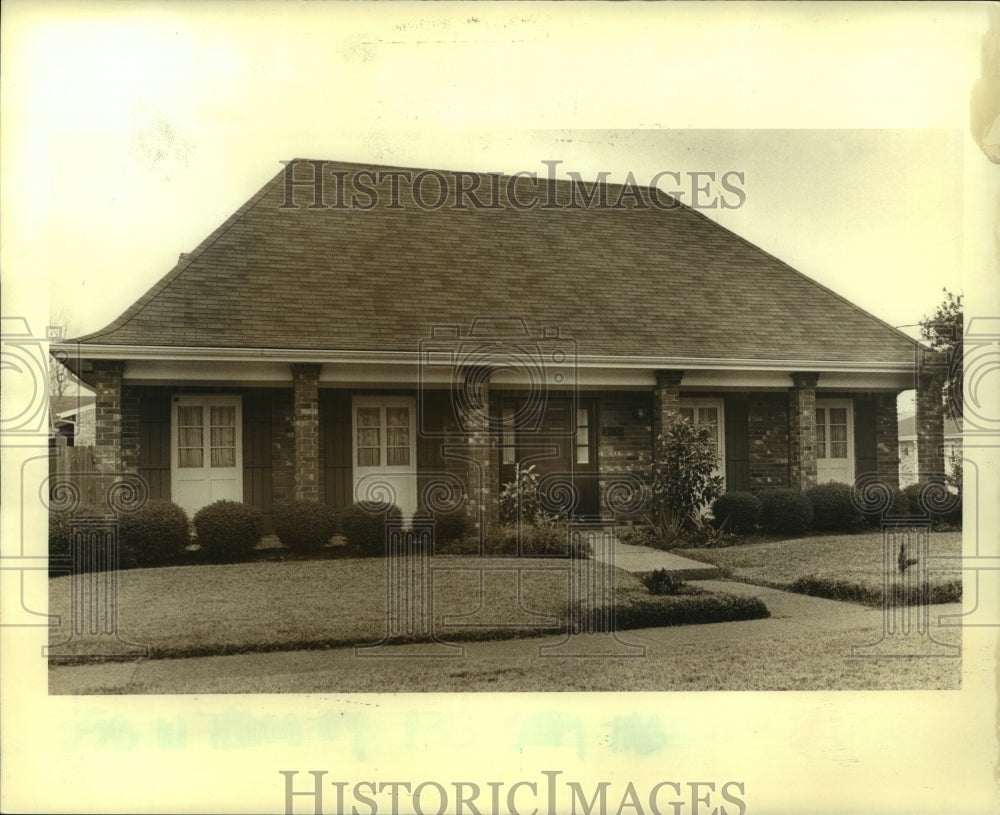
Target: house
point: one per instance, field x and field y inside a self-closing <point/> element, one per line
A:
<point x="359" y="332"/>
<point x="909" y="466"/>
<point x="74" y="418"/>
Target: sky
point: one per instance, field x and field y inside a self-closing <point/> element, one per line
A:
<point x="130" y="133"/>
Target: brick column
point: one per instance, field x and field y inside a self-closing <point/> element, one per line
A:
<point x="305" y="383"/>
<point x="802" y="431"/>
<point x="482" y="479"/>
<point x="887" y="438"/>
<point x="930" y="426"/>
<point x="108" y="415"/>
<point x="666" y="400"/>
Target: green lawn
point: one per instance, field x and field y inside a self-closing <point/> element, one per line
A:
<point x="839" y="566"/>
<point x="287" y="605"/>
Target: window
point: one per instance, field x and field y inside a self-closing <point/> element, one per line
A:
<point x="397" y="437"/>
<point x="508" y="437"/>
<point x="582" y="436"/>
<point x="192" y="451"/>
<point x="831" y="432"/>
<point x="834" y="441"/>
<point x="223" y="436"/>
<point x="707" y="413"/>
<point x="383" y="433"/>
<point x="190" y="436"/>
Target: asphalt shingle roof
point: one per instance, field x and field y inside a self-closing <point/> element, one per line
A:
<point x="626" y="282"/>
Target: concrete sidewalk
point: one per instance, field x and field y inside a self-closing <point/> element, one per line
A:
<point x="639" y="559"/>
<point x="805" y="645"/>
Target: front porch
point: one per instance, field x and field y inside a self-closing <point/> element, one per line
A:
<point x="315" y="434"/>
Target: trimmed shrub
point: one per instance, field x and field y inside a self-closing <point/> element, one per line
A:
<point x="228" y="531"/>
<point x="737" y="512"/>
<point x="902" y="594"/>
<point x="448" y="526"/>
<point x="785" y="511"/>
<point x="363" y="524"/>
<point x="304" y="526"/>
<point x="646" y="611"/>
<point x="899" y="506"/>
<point x="833" y="508"/>
<point x="157" y="534"/>
<point x="501" y="540"/>
<point x="662" y="582"/>
<point x="946" y="508"/>
<point x="60" y="540"/>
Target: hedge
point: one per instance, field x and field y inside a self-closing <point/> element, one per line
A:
<point x="228" y="531"/>
<point x="304" y="526"/>
<point x="157" y="534"/>
<point x="737" y="512"/>
<point x="785" y="511"/>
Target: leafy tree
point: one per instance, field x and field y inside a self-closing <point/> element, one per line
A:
<point x="683" y="478"/>
<point x="943" y="330"/>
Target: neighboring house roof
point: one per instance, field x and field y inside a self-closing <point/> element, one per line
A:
<point x="908" y="428"/>
<point x="653" y="282"/>
<point x="65" y="407"/>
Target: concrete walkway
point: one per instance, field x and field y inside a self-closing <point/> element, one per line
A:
<point x="639" y="559"/>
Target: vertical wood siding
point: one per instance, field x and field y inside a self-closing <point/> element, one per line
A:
<point x="154" y="441"/>
<point x="335" y="448"/>
<point x="737" y="445"/>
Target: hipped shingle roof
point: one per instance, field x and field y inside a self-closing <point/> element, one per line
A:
<point x="620" y="282"/>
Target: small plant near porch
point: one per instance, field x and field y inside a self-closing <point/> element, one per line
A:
<point x="519" y="502"/>
<point x="684" y="479"/>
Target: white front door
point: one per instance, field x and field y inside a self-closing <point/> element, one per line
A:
<point x="834" y="441"/>
<point x="206" y="450"/>
<point x="385" y="451"/>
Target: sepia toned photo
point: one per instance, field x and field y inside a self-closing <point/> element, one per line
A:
<point x="473" y="408"/>
<point x="502" y="421"/>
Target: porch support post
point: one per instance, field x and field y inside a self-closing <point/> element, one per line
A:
<point x="482" y="477"/>
<point x="108" y="415"/>
<point x="802" y="431"/>
<point x="930" y="421"/>
<point x="666" y="400"/>
<point x="887" y="438"/>
<point x="305" y="383"/>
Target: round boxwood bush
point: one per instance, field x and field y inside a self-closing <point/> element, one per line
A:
<point x="228" y="530"/>
<point x="785" y="512"/>
<point x="833" y="508"/>
<point x="737" y="512"/>
<point x="363" y="525"/>
<point x="938" y="502"/>
<point x="304" y="526"/>
<point x="448" y="526"/>
<point x="157" y="534"/>
<point x="60" y="544"/>
<point x="875" y="504"/>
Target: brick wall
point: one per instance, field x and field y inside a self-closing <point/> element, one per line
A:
<point x="802" y="431"/>
<point x="930" y="427"/>
<point x="624" y="441"/>
<point x="482" y="474"/>
<point x="767" y="427"/>
<point x="108" y="415"/>
<point x="666" y="398"/>
<point x="305" y="385"/>
<point x="887" y="437"/>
